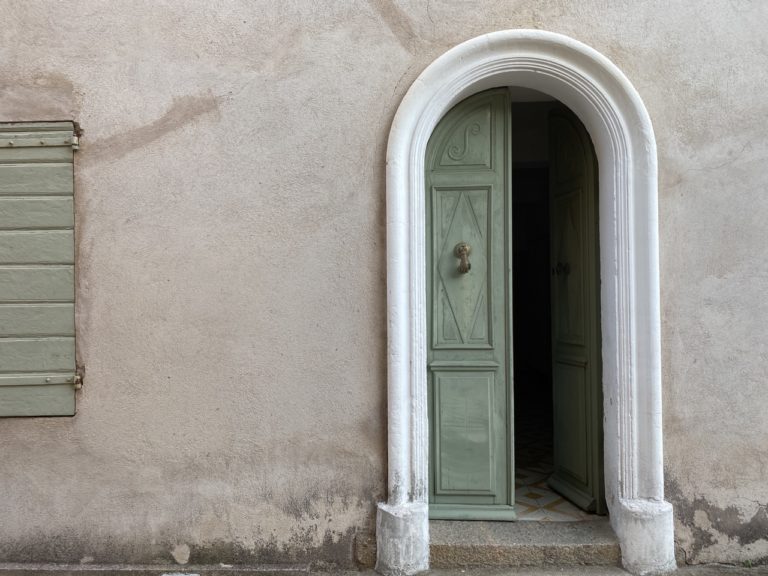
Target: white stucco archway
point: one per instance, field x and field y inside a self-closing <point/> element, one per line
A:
<point x="610" y="108"/>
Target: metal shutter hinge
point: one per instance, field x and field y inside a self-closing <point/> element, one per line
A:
<point x="78" y="380"/>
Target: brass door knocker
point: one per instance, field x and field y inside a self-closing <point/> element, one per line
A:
<point x="462" y="251"/>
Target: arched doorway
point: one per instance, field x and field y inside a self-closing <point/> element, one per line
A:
<point x="613" y="114"/>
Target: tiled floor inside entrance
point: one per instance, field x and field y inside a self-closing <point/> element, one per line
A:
<point x="534" y="500"/>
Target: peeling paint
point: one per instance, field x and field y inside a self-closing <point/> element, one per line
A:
<point x="708" y="523"/>
<point x="333" y="549"/>
<point x="181" y="553"/>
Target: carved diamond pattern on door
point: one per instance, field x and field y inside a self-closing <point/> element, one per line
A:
<point x="462" y="300"/>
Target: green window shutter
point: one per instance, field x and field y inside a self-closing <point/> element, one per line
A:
<point x="37" y="282"/>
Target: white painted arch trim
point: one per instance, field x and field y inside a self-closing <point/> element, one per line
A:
<point x="620" y="127"/>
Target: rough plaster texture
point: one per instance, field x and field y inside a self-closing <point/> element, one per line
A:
<point x="230" y="213"/>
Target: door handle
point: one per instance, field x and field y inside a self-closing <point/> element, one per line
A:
<point x="462" y="251"/>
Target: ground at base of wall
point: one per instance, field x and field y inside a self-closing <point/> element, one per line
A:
<point x="702" y="570"/>
<point x="303" y="570"/>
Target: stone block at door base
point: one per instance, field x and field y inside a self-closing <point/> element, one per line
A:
<point x="402" y="539"/>
<point x="646" y="531"/>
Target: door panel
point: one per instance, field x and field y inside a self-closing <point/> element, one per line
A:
<point x="569" y="289"/>
<point x="570" y="396"/>
<point x="467" y="184"/>
<point x="576" y="371"/>
<point x="464" y="420"/>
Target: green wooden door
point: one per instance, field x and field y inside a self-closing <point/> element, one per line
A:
<point x="576" y="370"/>
<point x="467" y="182"/>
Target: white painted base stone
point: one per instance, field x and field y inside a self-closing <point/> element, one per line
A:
<point x="402" y="539"/>
<point x="646" y="532"/>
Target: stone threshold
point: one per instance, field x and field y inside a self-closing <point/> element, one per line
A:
<point x="525" y="543"/>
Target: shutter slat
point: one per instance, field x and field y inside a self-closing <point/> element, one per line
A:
<point x="47" y="400"/>
<point x="36" y="379"/>
<point x="37" y="283"/>
<point x="37" y="247"/>
<point x="36" y="138"/>
<point x="37" y="319"/>
<point x="35" y="127"/>
<point x="36" y="212"/>
<point x="35" y="179"/>
<point x="50" y="154"/>
<point x="37" y="354"/>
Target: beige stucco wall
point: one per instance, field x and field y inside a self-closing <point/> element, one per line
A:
<point x="231" y="299"/>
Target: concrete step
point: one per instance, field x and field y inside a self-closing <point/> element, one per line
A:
<point x="590" y="543"/>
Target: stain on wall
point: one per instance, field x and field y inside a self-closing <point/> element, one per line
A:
<point x="183" y="109"/>
<point x="398" y="22"/>
<point x="321" y="549"/>
<point x="707" y="532"/>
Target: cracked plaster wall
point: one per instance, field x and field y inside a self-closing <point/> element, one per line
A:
<point x="231" y="301"/>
